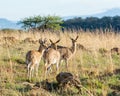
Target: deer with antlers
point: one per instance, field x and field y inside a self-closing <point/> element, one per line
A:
<point x="33" y="58"/>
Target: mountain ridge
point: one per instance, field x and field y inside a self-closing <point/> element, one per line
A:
<point x="5" y="23"/>
<point x="110" y="12"/>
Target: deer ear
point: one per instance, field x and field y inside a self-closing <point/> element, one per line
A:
<point x="77" y="37"/>
<point x="71" y="38"/>
<point x="57" y="41"/>
<point x="40" y="40"/>
<point x="51" y="41"/>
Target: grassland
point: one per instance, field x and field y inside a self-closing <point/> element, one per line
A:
<point x="99" y="74"/>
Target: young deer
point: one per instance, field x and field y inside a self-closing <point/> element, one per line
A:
<point x="66" y="53"/>
<point x="51" y="56"/>
<point x="33" y="58"/>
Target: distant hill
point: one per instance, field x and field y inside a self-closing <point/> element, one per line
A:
<point x="110" y="12"/>
<point x="4" y="23"/>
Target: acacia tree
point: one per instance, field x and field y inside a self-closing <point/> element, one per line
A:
<point x="53" y="22"/>
<point x="31" y="22"/>
<point x="26" y="23"/>
<point x="42" y="23"/>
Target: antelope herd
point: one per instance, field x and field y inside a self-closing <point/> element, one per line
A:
<point x="52" y="54"/>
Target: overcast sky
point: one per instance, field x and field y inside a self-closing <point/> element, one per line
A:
<point x="19" y="9"/>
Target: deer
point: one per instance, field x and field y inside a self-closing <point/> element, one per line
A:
<point x="66" y="53"/>
<point x="33" y="58"/>
<point x="51" y="56"/>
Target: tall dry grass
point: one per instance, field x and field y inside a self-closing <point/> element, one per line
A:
<point x="84" y="64"/>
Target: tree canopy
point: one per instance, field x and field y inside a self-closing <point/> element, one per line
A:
<point x="56" y="23"/>
<point x="42" y="23"/>
<point x="93" y="23"/>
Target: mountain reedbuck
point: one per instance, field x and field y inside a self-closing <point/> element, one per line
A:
<point x="66" y="53"/>
<point x="33" y="58"/>
<point x="51" y="56"/>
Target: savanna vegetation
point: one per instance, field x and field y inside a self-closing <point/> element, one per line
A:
<point x="41" y="23"/>
<point x="93" y="23"/>
<point x="94" y="65"/>
<point x="53" y="23"/>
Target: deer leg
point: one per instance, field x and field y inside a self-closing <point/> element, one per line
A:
<point x="36" y="69"/>
<point x="46" y="67"/>
<point x="31" y="72"/>
<point x="57" y="67"/>
<point x="28" y="70"/>
<point x="49" y="68"/>
<point x="66" y="62"/>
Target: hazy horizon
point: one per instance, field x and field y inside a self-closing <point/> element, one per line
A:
<point x="16" y="10"/>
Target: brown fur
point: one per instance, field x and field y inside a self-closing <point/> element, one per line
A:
<point x="66" y="53"/>
<point x="33" y="58"/>
<point x="51" y="56"/>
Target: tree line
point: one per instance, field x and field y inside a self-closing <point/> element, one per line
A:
<point x="57" y="23"/>
<point x="93" y="23"/>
